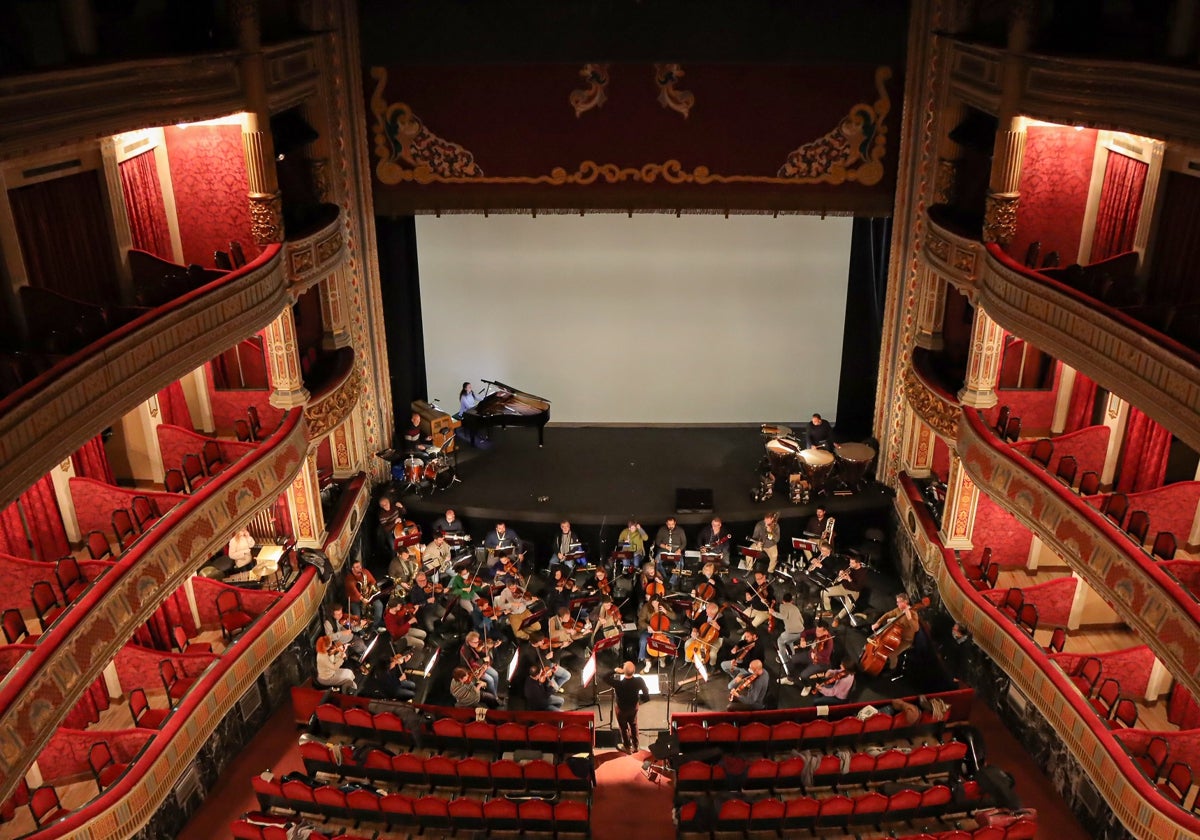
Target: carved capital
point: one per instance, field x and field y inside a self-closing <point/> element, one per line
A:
<point x="266" y="218"/>
<point x="1000" y="218"/>
<point x="944" y="180"/>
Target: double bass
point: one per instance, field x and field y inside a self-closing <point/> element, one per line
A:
<point x="884" y="642"/>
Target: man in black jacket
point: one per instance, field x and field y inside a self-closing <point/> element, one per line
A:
<point x="631" y="692"/>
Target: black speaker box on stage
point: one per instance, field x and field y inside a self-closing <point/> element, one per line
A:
<point x="693" y="500"/>
<point x="607" y="739"/>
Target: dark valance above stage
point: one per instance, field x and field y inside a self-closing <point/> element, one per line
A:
<point x="634" y="136"/>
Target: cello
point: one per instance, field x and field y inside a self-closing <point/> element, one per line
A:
<point x="659" y="642"/>
<point x="884" y="642"/>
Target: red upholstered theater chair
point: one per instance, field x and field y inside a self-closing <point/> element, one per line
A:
<point x="236" y="255"/>
<point x="1178" y="783"/>
<point x="241" y="430"/>
<point x="1042" y="452"/>
<point x="1087" y="675"/>
<point x="105" y="769"/>
<point x="572" y="817"/>
<point x="98" y="547"/>
<point x="174" y="482"/>
<point x="1012" y="429"/>
<point x="175" y="683"/>
<point x="733" y="816"/>
<point x="123" y="527"/>
<point x="1013" y="600"/>
<point x="255" y="424"/>
<point x="1124" y="714"/>
<point x="1002" y="419"/>
<point x="70" y="578"/>
<point x="145" y="512"/>
<point x="466" y="814"/>
<point x="15" y="631"/>
<point x="182" y="644"/>
<point x="214" y="460"/>
<point x="1138" y="526"/>
<point x="44" y="805"/>
<point x="1058" y="640"/>
<point x="1106" y="698"/>
<point x="193" y="471"/>
<point x="537" y="815"/>
<point x="1115" y="506"/>
<point x="232" y="615"/>
<point x="1089" y="483"/>
<point x="1154" y="758"/>
<point x="45" y="603"/>
<point x="142" y="713"/>
<point x="1164" y="546"/>
<point x="1027" y="618"/>
<point x="766" y="815"/>
<point x="1068" y="468"/>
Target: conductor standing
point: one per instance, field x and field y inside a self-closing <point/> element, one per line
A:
<point x="630" y="691"/>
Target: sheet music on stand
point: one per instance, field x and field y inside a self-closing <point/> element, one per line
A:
<point x="653" y="685"/>
<point x="589" y="671"/>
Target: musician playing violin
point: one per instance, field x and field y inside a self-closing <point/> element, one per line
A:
<point x="748" y="689"/>
<point x="476" y="656"/>
<point x="715" y="539"/>
<point x="423" y="595"/>
<point x="906" y="620"/>
<point x="817" y="652"/>
<point x="399" y="620"/>
<point x="540" y="691"/>
<point x="360" y="586"/>
<point x="565" y="630"/>
<point x="469" y="693"/>
<point x="330" y="673"/>
<point x="766" y="539"/>
<point x="747" y="650"/>
<point x="514" y="602"/>
<point x="469" y="592"/>
<point x="341" y="628"/>
<point x="759" y="598"/>
<point x="502" y="540"/>
<point x="599" y="582"/>
<point x="653" y="607"/>
<point x="608" y="617"/>
<point x="835" y="685"/>
<point x="850" y="582"/>
<point x="396" y="684"/>
<point x="562" y="588"/>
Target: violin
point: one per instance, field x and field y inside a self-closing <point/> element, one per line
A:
<point x="761" y="591"/>
<point x="741" y="687"/>
<point x="604" y="585"/>
<point x="739" y="652"/>
<point x="828" y="678"/>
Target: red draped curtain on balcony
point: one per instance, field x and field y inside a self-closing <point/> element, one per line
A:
<point x="1083" y="401"/>
<point x="91" y="461"/>
<point x="174" y="407"/>
<point x="173" y="612"/>
<point x="1120" y="206"/>
<point x="91" y="704"/>
<point x="144" y="206"/>
<point x="1172" y="278"/>
<point x="62" y="226"/>
<point x="32" y="527"/>
<point x="1144" y="464"/>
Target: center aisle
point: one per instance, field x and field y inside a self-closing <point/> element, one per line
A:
<point x="625" y="804"/>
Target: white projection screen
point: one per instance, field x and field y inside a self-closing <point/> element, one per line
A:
<point x="649" y="320"/>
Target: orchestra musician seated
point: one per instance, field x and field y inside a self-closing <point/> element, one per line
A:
<point x="469" y="592"/>
<point x="390" y="514"/>
<point x="413" y="438"/>
<point x="670" y="538"/>
<point x="766" y="539"/>
<point x="395" y="682"/>
<point x="818" y="524"/>
<point x="560" y="590"/>
<point x="633" y="539"/>
<point x="836" y="684"/>
<point x="793" y="622"/>
<point x="360" y="587"/>
<point x="340" y="628"/>
<point x="655" y="606"/>
<point x="330" y="673"/>
<point x="514" y="602"/>
<point x="566" y="542"/>
<point x="436" y="558"/>
<point x="403" y="566"/>
<point x="708" y="627"/>
<point x="759" y="597"/>
<point x="599" y="583"/>
<point x="848" y="583"/>
<point x="399" y="620"/>
<point x="541" y="695"/>
<point x="748" y="689"/>
<point x="818" y="435"/>
<point x="564" y="630"/>
<point x="476" y="655"/>
<point x="469" y="693"/>
<point x="423" y="595"/>
<point x="820" y="572"/>
<point x="815" y="654"/>
<point x="501" y="541"/>
<point x="715" y="540"/>
<point x="449" y="524"/>
<point x="748" y="650"/>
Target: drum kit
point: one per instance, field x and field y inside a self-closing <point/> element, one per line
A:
<point x="427" y="469"/>
<point x="810" y="472"/>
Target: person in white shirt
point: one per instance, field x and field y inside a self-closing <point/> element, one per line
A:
<point x="330" y="672"/>
<point x="239" y="550"/>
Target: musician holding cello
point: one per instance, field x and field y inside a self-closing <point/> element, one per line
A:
<point x="748" y="689"/>
<point x="706" y="635"/>
<point x="654" y="618"/>
<point x="904" y="623"/>
<point x="360" y="587"/>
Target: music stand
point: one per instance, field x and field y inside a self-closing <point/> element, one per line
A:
<point x="588" y="677"/>
<point x="751" y="555"/>
<point x="698" y="661"/>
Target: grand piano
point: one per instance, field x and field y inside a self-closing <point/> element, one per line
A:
<point x="508" y="406"/>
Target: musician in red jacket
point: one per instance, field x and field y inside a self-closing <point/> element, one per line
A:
<point x="360" y="586"/>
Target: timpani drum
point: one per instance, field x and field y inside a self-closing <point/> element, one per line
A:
<point x="781" y="456"/>
<point x="856" y="460"/>
<point x="818" y="464"/>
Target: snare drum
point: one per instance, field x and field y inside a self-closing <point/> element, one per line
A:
<point x="781" y="455"/>
<point x="856" y="461"/>
<point x="412" y="469"/>
<point x="818" y="464"/>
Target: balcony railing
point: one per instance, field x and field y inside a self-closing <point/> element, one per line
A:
<point x="1135" y="800"/>
<point x="46" y="683"/>
<point x="935" y="405"/>
<point x="1137" y="363"/>
<point x="75" y="400"/>
<point x="333" y="398"/>
<point x="313" y="254"/>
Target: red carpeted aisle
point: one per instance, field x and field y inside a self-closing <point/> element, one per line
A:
<point x="626" y="804"/>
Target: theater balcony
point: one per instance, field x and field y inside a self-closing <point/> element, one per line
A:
<point x="315" y="248"/>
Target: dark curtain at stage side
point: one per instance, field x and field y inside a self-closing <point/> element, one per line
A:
<point x="866" y="294"/>
<point x="400" y="286"/>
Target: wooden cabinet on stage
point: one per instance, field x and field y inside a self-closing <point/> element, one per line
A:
<point x="435" y="423"/>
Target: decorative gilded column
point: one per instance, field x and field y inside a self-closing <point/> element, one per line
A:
<point x="917" y="455"/>
<point x="931" y="309"/>
<point x="962" y="498"/>
<point x="266" y="205"/>
<point x="335" y="317"/>
<point x="983" y="362"/>
<point x="1000" y="208"/>
<point x="945" y="176"/>
<point x="283" y="362"/>
<point x="304" y="506"/>
<point x="346" y="447"/>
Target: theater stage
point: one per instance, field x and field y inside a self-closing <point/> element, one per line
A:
<point x="598" y="476"/>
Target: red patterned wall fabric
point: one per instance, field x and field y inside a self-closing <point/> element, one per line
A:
<point x="1083" y="401"/>
<point x="137" y="666"/>
<point x="144" y="205"/>
<point x="1144" y="453"/>
<point x="66" y="754"/>
<point x="1052" y="599"/>
<point x="91" y="461"/>
<point x="174" y="612"/>
<point x="208" y="176"/>
<point x="175" y="442"/>
<point x="1171" y="507"/>
<point x="32" y="526"/>
<point x="87" y="711"/>
<point x="207" y="590"/>
<point x="1182" y="708"/>
<point x="1034" y="407"/>
<point x="228" y="406"/>
<point x="620" y="136"/>
<point x="1055" y="175"/>
<point x="1087" y="445"/>
<point x="95" y="502"/>
<point x="999" y="530"/>
<point x="1187" y="572"/>
<point x="19" y="576"/>
<point x="941" y="460"/>
<point x="173" y="406"/>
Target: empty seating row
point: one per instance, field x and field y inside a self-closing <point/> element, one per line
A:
<point x="195" y="470"/>
<point x="439" y="771"/>
<point x="397" y="810"/>
<point x="448" y="733"/>
<point x="829" y="770"/>
<point x="805" y="812"/>
<point x="788" y="735"/>
<point x="1104" y="696"/>
<point x="1115" y="506"/>
<point x="955" y="706"/>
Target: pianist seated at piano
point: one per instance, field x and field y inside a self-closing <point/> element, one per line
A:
<point x="566" y="543"/>
<point x="506" y="406"/>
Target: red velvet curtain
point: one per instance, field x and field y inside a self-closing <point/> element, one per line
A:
<point x="91" y="461"/>
<point x="1147" y="444"/>
<point x="32" y="525"/>
<point x="1177" y="245"/>
<point x="174" y="611"/>
<point x="62" y="226"/>
<point x="144" y="206"/>
<point x="91" y="704"/>
<point x="1083" y="401"/>
<point x="1120" y="206"/>
<point x="174" y="406"/>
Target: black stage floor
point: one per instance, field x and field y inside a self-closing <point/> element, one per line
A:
<point x="599" y="476"/>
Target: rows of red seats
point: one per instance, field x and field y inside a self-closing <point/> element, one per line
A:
<point x="806" y="812"/>
<point x="862" y="768"/>
<point x="760" y="737"/>
<point x="439" y="771"/>
<point x="398" y="810"/>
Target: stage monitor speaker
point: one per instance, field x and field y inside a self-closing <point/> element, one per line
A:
<point x="693" y="500"/>
<point x="607" y="739"/>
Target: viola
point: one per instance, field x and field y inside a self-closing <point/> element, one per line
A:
<point x="761" y="591"/>
<point x="739" y="652"/>
<point x="742" y="686"/>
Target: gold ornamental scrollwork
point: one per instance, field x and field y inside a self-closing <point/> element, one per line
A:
<point x="266" y="218"/>
<point x="944" y="180"/>
<point x="941" y="416"/>
<point x="1000" y="218"/>
<point x="323" y="416"/>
